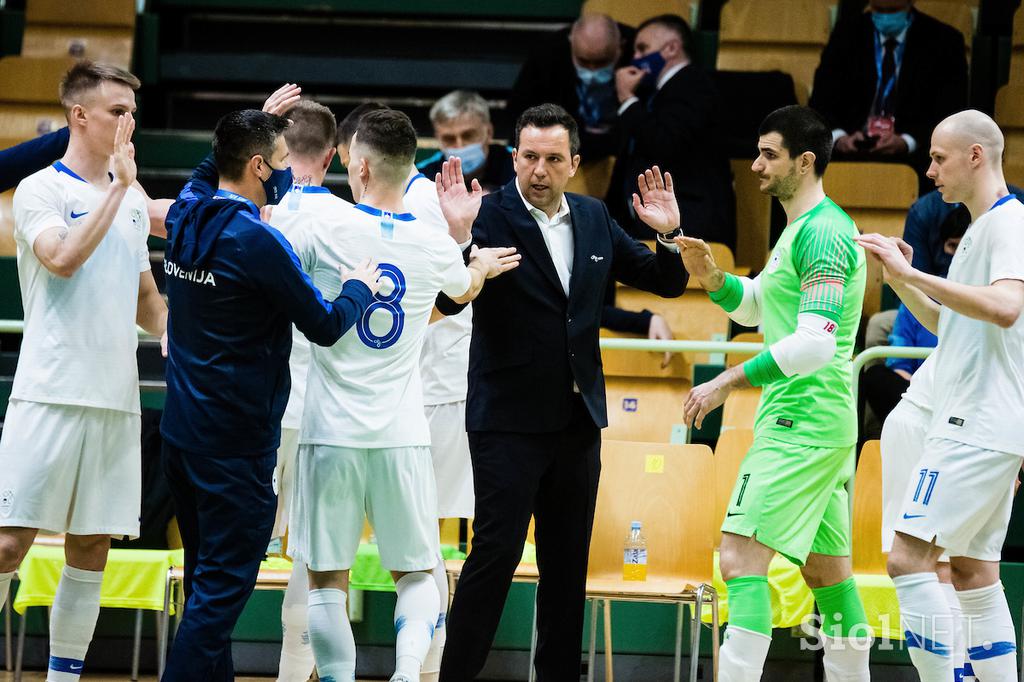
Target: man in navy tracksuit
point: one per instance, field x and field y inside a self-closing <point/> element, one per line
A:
<point x="234" y="288"/>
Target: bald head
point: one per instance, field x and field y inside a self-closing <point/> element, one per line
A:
<point x="965" y="129"/>
<point x="595" y="41"/>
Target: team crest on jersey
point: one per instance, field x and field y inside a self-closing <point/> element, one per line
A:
<point x="136" y="216"/>
<point x="774" y="262"/>
<point x="965" y="244"/>
<point x="6" y="502"/>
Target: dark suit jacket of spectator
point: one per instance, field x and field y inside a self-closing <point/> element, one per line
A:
<point x="932" y="80"/>
<point x="549" y="76"/>
<point x="676" y="128"/>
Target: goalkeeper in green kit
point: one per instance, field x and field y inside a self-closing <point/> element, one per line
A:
<point x="790" y="495"/>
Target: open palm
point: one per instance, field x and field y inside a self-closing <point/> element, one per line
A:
<point x="656" y="204"/>
<point x="459" y="205"/>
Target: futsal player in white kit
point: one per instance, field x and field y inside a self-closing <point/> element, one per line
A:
<point x="444" y="368"/>
<point x="364" y="442"/>
<point x="70" y="459"/>
<point x="959" y="500"/>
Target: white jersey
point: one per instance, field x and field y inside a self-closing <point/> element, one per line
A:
<point x="365" y="390"/>
<point x="80" y="336"/>
<point x="921" y="388"/>
<point x="294" y="212"/>
<point x="979" y="368"/>
<point x="444" y="363"/>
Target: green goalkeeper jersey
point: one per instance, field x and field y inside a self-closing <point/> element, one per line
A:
<point x="815" y="267"/>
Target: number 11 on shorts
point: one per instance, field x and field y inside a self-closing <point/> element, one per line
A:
<point x="931" y="476"/>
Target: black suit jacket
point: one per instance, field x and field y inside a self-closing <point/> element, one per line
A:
<point x="676" y="128"/>
<point x="932" y="81"/>
<point x="549" y="76"/>
<point x="530" y="342"/>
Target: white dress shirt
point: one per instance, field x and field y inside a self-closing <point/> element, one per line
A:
<point x="557" y="233"/>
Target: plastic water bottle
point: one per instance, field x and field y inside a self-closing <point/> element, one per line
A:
<point x="634" y="560"/>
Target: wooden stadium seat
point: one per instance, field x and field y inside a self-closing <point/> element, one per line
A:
<point x="959" y="15"/>
<point x="7" y="247"/>
<point x="732" y="359"/>
<point x="32" y="80"/>
<point x="631" y="363"/>
<point x="646" y="409"/>
<point x="867" y="512"/>
<point x="877" y="196"/>
<point x="1010" y="116"/>
<point x="1017" y="40"/>
<point x="740" y="408"/>
<point x="592" y="178"/>
<point x="110" y="45"/>
<point x="81" y="12"/>
<point x="730" y="450"/>
<point x="691" y="316"/>
<point x="20" y="122"/>
<point x="634" y="12"/>
<point x="753" y="216"/>
<point x="765" y="36"/>
<point x="668" y="488"/>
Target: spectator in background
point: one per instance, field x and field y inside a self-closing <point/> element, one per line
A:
<point x="576" y="70"/>
<point x="886" y="79"/>
<point x="462" y="126"/>
<point x="667" y="116"/>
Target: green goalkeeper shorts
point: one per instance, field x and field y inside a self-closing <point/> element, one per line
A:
<point x="793" y="499"/>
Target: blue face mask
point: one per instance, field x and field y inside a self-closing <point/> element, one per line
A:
<point x="589" y="77"/>
<point x="652" y="63"/>
<point x="472" y="156"/>
<point x="278" y="184"/>
<point x="892" y="24"/>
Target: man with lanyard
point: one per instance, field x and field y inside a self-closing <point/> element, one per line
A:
<point x="959" y="501"/>
<point x="790" y="496"/>
<point x="234" y="288"/>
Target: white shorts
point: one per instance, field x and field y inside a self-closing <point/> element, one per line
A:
<point x="284" y="478"/>
<point x="960" y="495"/>
<point x="453" y="469"/>
<point x="903" y="435"/>
<point x="336" y="488"/>
<point x="71" y="469"/>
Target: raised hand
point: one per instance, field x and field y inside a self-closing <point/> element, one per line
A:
<point x="495" y="261"/>
<point x="366" y="272"/>
<point x="656" y="204"/>
<point x="122" y="161"/>
<point x="699" y="262"/>
<point x="459" y="205"/>
<point x="894" y="254"/>
<point x="282" y="99"/>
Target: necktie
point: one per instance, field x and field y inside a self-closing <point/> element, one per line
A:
<point x="888" y="74"/>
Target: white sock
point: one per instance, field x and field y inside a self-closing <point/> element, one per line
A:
<point x="742" y="656"/>
<point x="72" y="622"/>
<point x="991" y="639"/>
<point x="415" y="617"/>
<point x="959" y="646"/>
<point x="330" y="634"/>
<point x="5" y="586"/>
<point x="296" y="653"/>
<point x="847" y="659"/>
<point x="927" y="624"/>
<point x="432" y="663"/>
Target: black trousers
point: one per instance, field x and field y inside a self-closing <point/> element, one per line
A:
<point x="552" y="476"/>
<point x="225" y="508"/>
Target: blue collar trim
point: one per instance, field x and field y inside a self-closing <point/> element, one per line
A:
<point x="412" y="180"/>
<point x="225" y="194"/>
<point x="61" y="168"/>
<point x="376" y="212"/>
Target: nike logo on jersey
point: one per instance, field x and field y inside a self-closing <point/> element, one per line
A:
<point x="729" y="515"/>
<point x="76" y="216"/>
<point x="913" y="516"/>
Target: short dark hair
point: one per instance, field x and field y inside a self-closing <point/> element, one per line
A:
<point x="389" y="134"/>
<point x="312" y="130"/>
<point x="677" y="25"/>
<point x="348" y="125"/>
<point x="546" y="116"/>
<point x="803" y="130"/>
<point x="86" y="75"/>
<point x="241" y="135"/>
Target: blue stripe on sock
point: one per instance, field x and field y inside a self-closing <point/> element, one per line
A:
<point x="440" y="620"/>
<point x="968" y="669"/>
<point x="916" y="640"/>
<point x="399" y="624"/>
<point x="66" y="665"/>
<point x="980" y="653"/>
<point x="958" y="675"/>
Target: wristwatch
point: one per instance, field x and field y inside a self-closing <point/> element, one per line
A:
<point x="667" y="238"/>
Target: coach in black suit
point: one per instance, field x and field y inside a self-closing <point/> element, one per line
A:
<point x="668" y="116"/>
<point x="925" y="59"/>
<point x="536" y="402"/>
